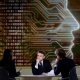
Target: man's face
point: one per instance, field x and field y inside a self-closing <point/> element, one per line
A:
<point x="40" y="56"/>
<point x="58" y="57"/>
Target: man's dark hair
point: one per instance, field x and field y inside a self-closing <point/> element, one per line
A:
<point x="60" y="52"/>
<point x="42" y="52"/>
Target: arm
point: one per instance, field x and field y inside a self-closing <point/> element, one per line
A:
<point x="13" y="70"/>
<point x="57" y="68"/>
<point x="49" y="67"/>
<point x="35" y="70"/>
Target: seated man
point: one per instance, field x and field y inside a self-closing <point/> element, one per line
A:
<point x="65" y="66"/>
<point x="41" y="65"/>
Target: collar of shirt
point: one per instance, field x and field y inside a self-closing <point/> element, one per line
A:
<point x="36" y="66"/>
<point x="41" y="62"/>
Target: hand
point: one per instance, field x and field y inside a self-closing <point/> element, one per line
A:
<point x="17" y="74"/>
<point x="56" y="61"/>
<point x="37" y="60"/>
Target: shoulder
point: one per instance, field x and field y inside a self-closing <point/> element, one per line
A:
<point x="34" y="62"/>
<point x="46" y="61"/>
<point x="13" y="61"/>
<point x="70" y="60"/>
<point x="1" y="62"/>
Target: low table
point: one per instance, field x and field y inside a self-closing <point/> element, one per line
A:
<point x="35" y="77"/>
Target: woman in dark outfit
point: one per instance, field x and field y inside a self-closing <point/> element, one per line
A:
<point x="64" y="66"/>
<point x="9" y="64"/>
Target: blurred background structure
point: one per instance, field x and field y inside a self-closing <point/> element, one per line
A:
<point x="29" y="25"/>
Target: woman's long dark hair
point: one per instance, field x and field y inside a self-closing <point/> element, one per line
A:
<point x="7" y="55"/>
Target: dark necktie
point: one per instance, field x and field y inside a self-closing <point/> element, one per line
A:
<point x="40" y="64"/>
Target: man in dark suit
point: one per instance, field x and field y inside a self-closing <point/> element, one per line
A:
<point x="64" y="66"/>
<point x="41" y="65"/>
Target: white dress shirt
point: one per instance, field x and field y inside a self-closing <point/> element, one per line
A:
<point x="38" y="62"/>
